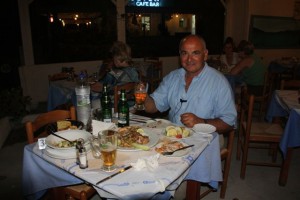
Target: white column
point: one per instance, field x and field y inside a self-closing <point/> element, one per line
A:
<point x="121" y="29"/>
<point x="27" y="48"/>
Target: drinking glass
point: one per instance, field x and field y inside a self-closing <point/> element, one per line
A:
<point x="108" y="141"/>
<point x="95" y="146"/>
<point x="140" y="94"/>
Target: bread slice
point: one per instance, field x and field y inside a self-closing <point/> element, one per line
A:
<point x="63" y="125"/>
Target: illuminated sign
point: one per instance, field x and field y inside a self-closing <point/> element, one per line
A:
<point x="145" y="3"/>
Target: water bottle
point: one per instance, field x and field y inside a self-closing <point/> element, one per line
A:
<point x="83" y="99"/>
<point x="106" y="105"/>
<point x="123" y="110"/>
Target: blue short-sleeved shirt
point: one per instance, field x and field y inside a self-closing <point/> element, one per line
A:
<point x="209" y="96"/>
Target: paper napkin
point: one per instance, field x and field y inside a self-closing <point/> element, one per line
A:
<point x="100" y="126"/>
<point x="148" y="162"/>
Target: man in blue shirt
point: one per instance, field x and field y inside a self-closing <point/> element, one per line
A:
<point x="195" y="93"/>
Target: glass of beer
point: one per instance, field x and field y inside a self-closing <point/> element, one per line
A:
<point x="108" y="141"/>
<point x="140" y="94"/>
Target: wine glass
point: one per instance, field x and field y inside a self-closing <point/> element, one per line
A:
<point x="140" y="94"/>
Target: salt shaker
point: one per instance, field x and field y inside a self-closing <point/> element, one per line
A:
<point x="81" y="154"/>
<point x="83" y="163"/>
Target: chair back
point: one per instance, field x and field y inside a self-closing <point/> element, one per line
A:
<point x="58" y="76"/>
<point x="290" y="84"/>
<point x="267" y="92"/>
<point x="39" y="124"/>
<point x="128" y="87"/>
<point x="154" y="74"/>
<point x="247" y="105"/>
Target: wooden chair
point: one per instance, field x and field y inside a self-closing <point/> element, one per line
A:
<point x="128" y="87"/>
<point x="153" y="75"/>
<point x="81" y="191"/>
<point x="225" y="153"/>
<point x="263" y="100"/>
<point x="290" y="84"/>
<point x="254" y="134"/>
<point x="58" y="76"/>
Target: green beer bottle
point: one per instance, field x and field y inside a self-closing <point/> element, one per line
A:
<point x="123" y="110"/>
<point x="106" y="105"/>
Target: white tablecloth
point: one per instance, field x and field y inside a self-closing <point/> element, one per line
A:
<point x="132" y="184"/>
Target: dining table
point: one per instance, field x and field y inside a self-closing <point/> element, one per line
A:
<point x="63" y="92"/>
<point x="286" y="103"/>
<point x="201" y="163"/>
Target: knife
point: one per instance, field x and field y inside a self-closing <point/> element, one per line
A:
<point x="137" y="120"/>
<point x="119" y="172"/>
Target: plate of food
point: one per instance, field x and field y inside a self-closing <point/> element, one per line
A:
<point x="135" y="138"/>
<point x="177" y="132"/>
<point x="170" y="146"/>
<point x="158" y="123"/>
<point x="204" y="128"/>
<point x="62" y="125"/>
<point x="66" y="154"/>
<point x="57" y="143"/>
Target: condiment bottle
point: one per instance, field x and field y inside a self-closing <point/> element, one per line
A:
<point x="123" y="110"/>
<point x="81" y="154"/>
<point x="106" y="105"/>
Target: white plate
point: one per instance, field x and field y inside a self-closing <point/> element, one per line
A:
<point x="153" y="139"/>
<point x="158" y="123"/>
<point x="63" y="154"/>
<point x="204" y="128"/>
<point x="71" y="135"/>
<point x="179" y="153"/>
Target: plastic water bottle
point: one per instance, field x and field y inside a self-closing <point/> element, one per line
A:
<point x="83" y="99"/>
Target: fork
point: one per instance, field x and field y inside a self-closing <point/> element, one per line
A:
<point x="167" y="153"/>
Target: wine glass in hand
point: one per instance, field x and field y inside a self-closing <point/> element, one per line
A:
<point x="140" y="95"/>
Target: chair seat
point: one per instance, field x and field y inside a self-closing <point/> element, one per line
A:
<point x="262" y="128"/>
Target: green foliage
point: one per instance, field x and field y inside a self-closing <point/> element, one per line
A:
<point x="13" y="103"/>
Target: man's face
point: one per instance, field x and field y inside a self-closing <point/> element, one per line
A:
<point x="193" y="55"/>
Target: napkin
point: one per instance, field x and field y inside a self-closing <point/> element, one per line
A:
<point x="149" y="163"/>
<point x="100" y="126"/>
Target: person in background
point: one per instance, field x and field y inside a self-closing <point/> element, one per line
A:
<point x="229" y="58"/>
<point x="117" y="69"/>
<point x="249" y="70"/>
<point x="195" y="93"/>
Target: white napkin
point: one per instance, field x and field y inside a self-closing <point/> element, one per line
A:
<point x="148" y="162"/>
<point x="100" y="126"/>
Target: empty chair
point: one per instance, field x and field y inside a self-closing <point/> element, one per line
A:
<point x="81" y="191"/>
<point x="263" y="100"/>
<point x="290" y="84"/>
<point x="58" y="76"/>
<point x="253" y="133"/>
<point x="225" y="153"/>
<point x="154" y="74"/>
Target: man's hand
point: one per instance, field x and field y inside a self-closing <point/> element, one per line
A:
<point x="189" y="120"/>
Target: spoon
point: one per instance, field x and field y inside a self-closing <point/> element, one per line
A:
<point x="171" y="152"/>
<point x="53" y="133"/>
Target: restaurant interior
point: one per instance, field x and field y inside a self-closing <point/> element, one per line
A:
<point x="57" y="36"/>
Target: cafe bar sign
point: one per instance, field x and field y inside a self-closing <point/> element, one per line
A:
<point x="145" y="3"/>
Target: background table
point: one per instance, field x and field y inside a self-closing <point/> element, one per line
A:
<point x="284" y="103"/>
<point x="61" y="92"/>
